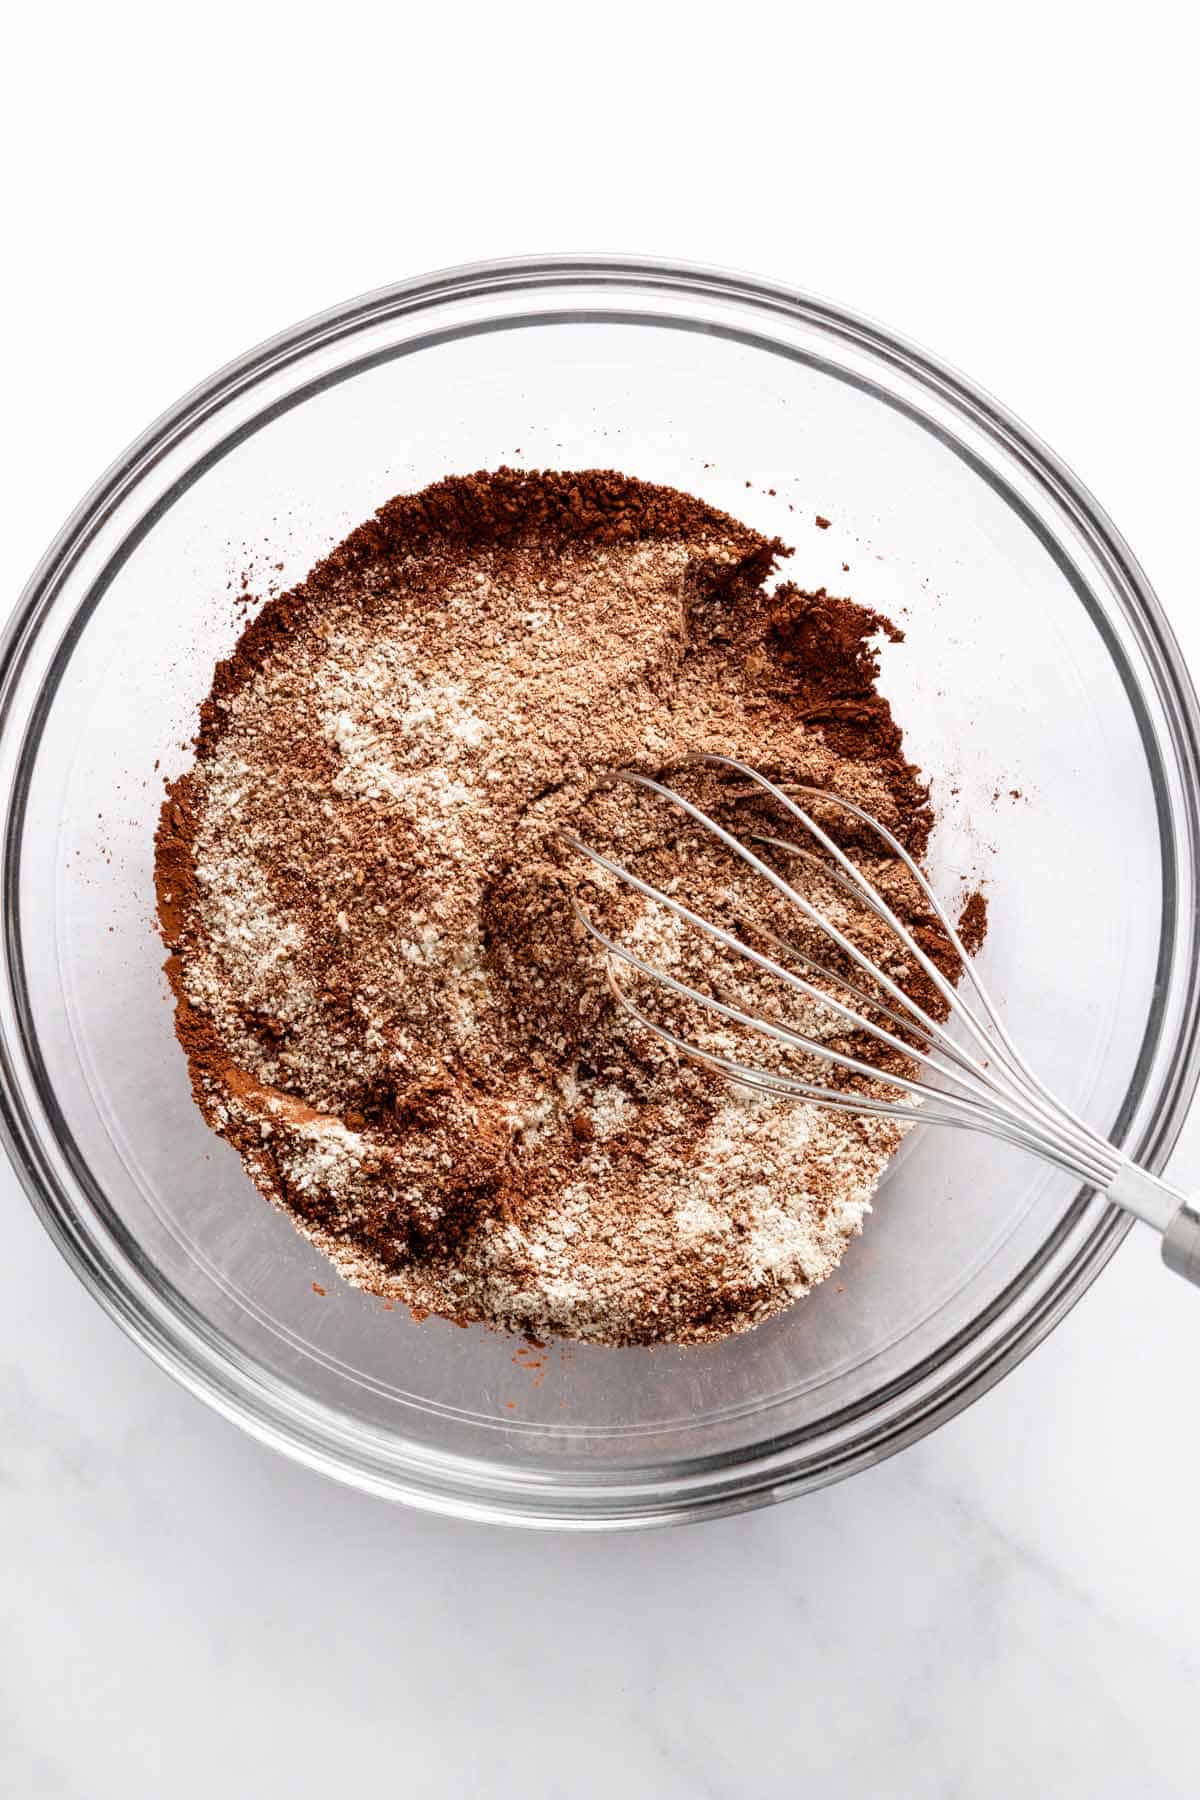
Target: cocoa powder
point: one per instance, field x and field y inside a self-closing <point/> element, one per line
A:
<point x="387" y="1001"/>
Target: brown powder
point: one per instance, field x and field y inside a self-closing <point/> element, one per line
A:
<point x="973" y="923"/>
<point x="387" y="1001"/>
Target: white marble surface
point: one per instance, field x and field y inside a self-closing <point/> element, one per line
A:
<point x="1011" y="1607"/>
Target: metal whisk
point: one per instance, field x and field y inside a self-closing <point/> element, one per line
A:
<point x="979" y="1078"/>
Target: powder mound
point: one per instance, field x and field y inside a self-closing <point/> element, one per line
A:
<point x="388" y="1003"/>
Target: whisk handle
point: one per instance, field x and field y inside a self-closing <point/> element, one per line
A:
<point x="1181" y="1244"/>
<point x="1150" y="1198"/>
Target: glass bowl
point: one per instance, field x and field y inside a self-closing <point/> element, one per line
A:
<point x="1038" y="683"/>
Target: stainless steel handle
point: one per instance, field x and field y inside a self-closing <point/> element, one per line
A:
<point x="1181" y="1244"/>
<point x="1157" y="1203"/>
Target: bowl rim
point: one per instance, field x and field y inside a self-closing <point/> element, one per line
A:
<point x="190" y="1352"/>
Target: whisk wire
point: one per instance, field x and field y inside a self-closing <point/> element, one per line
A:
<point x="790" y="1087"/>
<point x="999" y="1092"/>
<point x="1003" y="1120"/>
<point x="875" y="900"/>
<point x="785" y="888"/>
<point x="994" y="1078"/>
<point x="1000" y="1076"/>
<point x="1028" y="1085"/>
<point x="782" y="1034"/>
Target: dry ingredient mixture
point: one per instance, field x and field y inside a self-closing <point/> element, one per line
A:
<point x="387" y="1001"/>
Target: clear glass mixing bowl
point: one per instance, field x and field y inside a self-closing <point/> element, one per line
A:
<point x="1037" y="663"/>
